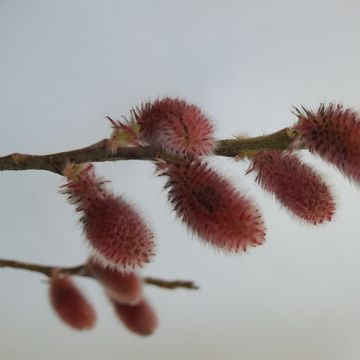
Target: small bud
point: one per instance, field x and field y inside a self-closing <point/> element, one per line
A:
<point x="333" y="133"/>
<point x="117" y="235"/>
<point x="176" y="126"/>
<point x="296" y="185"/>
<point x="140" y="318"/>
<point x="70" y="304"/>
<point x="126" y="133"/>
<point x="212" y="207"/>
<point x="124" y="288"/>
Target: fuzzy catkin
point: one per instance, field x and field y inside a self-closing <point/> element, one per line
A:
<point x="176" y="126"/>
<point x="296" y="185"/>
<point x="117" y="235"/>
<point x="212" y="207"/>
<point x="333" y="133"/>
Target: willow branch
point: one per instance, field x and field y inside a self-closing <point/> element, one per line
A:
<point x="81" y="270"/>
<point x="100" y="151"/>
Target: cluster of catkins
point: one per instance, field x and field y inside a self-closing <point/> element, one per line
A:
<point x="121" y="242"/>
<point x="124" y="291"/>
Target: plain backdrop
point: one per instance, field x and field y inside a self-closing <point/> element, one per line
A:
<point x="65" y="65"/>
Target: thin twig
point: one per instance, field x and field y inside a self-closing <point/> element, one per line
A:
<point x="81" y="270"/>
<point x="100" y="151"/>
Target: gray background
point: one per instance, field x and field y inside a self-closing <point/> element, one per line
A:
<point x="64" y="65"/>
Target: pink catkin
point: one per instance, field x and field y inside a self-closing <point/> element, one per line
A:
<point x="212" y="207"/>
<point x="70" y="304"/>
<point x="140" y="318"/>
<point x="117" y="235"/>
<point x="296" y="185"/>
<point x="124" y="288"/>
<point x="333" y="133"/>
<point x="176" y="126"/>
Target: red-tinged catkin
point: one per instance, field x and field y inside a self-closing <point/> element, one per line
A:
<point x="120" y="239"/>
<point x="124" y="288"/>
<point x="141" y="318"/>
<point x="296" y="185"/>
<point x="70" y="304"/>
<point x="117" y="235"/>
<point x="212" y="207"/>
<point x="83" y="185"/>
<point x="176" y="126"/>
<point x="333" y="133"/>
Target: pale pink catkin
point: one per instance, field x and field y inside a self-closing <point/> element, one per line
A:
<point x="176" y="126"/>
<point x="296" y="185"/>
<point x="212" y="207"/>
